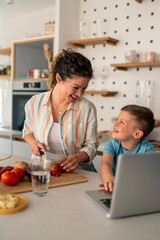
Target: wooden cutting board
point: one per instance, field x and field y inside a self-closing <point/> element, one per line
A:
<point x="4" y="156"/>
<point x="26" y="185"/>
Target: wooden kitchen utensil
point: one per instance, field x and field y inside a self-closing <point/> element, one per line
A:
<point x="47" y="54"/>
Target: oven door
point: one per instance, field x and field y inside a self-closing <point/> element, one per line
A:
<point x="18" y="113"/>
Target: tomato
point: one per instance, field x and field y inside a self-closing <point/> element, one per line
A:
<point x="53" y="173"/>
<point x="58" y="174"/>
<point x="10" y="178"/>
<point x="59" y="168"/>
<point x="20" y="172"/>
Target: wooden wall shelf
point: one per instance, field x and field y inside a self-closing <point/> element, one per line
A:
<point x="5" y="51"/>
<point x="31" y="79"/>
<point x="103" y="93"/>
<point x="18" y="138"/>
<point x="4" y="136"/>
<point x="93" y="41"/>
<point x="139" y="1"/>
<point x="5" y="76"/>
<point x="125" y="66"/>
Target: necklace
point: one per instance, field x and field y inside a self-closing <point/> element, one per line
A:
<point x="56" y="109"/>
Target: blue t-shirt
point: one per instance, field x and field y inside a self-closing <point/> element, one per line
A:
<point x="115" y="148"/>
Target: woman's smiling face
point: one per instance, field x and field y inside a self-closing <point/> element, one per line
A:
<point x="73" y="88"/>
<point x="125" y="127"/>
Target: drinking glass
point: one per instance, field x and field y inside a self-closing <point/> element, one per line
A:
<point x="101" y="26"/>
<point x="150" y="56"/>
<point x="83" y="29"/>
<point x="40" y="171"/>
<point x="129" y="56"/>
<point x="145" y="93"/>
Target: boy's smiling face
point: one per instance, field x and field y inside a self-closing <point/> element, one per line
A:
<point x="125" y="127"/>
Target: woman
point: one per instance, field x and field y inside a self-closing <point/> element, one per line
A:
<point x="62" y="121"/>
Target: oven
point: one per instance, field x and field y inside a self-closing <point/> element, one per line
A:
<point x="22" y="92"/>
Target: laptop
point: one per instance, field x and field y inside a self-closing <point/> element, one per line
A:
<point x="136" y="188"/>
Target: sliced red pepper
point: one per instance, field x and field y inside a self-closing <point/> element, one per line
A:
<point x="53" y="172"/>
<point x="57" y="167"/>
<point x="58" y="174"/>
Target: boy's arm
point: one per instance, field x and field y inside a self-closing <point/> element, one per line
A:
<point x="106" y="172"/>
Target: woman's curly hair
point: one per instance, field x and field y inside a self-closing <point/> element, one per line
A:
<point x="70" y="64"/>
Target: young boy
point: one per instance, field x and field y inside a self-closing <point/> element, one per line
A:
<point x="134" y="123"/>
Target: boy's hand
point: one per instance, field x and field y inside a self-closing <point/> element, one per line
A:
<point x="108" y="185"/>
<point x="107" y="172"/>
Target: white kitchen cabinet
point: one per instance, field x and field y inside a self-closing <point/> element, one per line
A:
<point x="5" y="145"/>
<point x="21" y="149"/>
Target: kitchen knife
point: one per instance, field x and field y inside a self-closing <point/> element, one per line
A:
<point x="51" y="156"/>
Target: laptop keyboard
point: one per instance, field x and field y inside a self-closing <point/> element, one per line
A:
<point x="106" y="202"/>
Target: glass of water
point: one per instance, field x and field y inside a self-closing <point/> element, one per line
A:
<point x="40" y="171"/>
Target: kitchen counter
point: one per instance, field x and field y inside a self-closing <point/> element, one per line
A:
<point x="66" y="213"/>
<point x="5" y="132"/>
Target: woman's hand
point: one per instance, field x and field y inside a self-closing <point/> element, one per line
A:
<point x="70" y="163"/>
<point x="36" y="147"/>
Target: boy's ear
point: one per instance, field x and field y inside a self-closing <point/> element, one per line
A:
<point x="138" y="134"/>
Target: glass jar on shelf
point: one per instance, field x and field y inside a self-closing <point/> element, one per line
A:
<point x="1" y="69"/>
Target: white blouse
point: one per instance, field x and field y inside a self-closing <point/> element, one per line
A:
<point x="54" y="140"/>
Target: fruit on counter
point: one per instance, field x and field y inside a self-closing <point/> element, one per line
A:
<point x="21" y="164"/>
<point x="28" y="172"/>
<point x="55" y="173"/>
<point x="7" y="201"/>
<point x="58" y="169"/>
<point x="20" y="172"/>
<point x="58" y="174"/>
<point x="10" y="178"/>
<point x="5" y="169"/>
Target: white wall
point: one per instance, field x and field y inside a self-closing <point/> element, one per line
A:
<point x="66" y="23"/>
<point x="20" y="26"/>
<point x="136" y="26"/>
